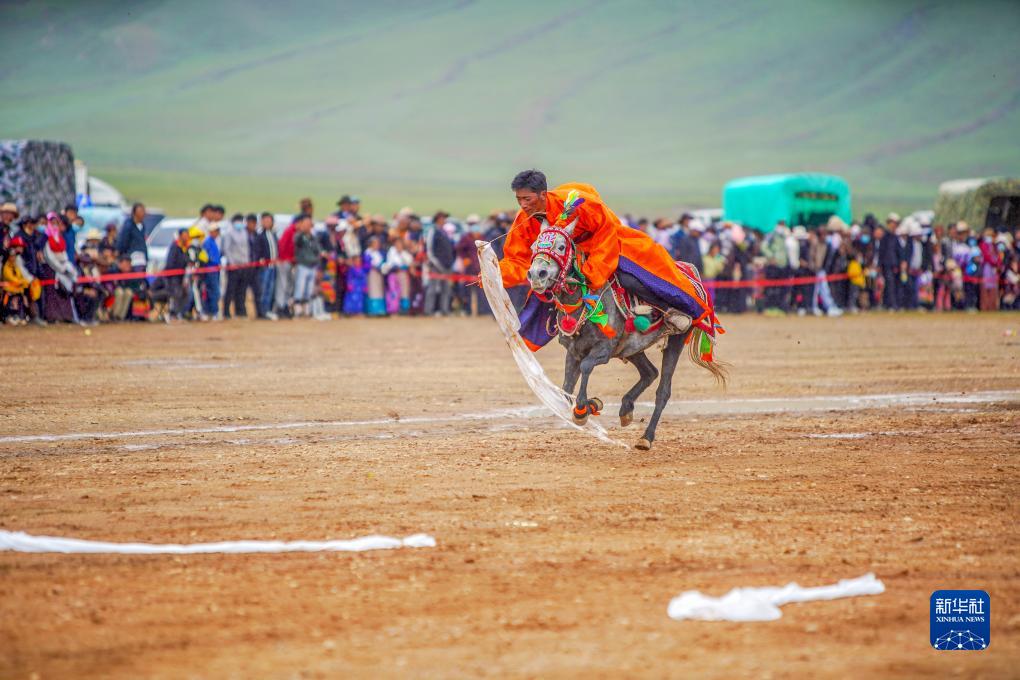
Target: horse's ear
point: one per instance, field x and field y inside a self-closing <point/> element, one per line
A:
<point x="545" y="225"/>
<point x="569" y="229"/>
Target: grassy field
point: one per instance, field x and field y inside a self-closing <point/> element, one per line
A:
<point x="439" y="103"/>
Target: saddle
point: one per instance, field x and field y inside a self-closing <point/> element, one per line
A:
<point x="641" y="317"/>
<point x="646" y="317"/>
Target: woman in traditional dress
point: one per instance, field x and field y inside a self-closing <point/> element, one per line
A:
<point x="398" y="278"/>
<point x="374" y="259"/>
<point x="354" y="297"/>
<point x="58" y="300"/>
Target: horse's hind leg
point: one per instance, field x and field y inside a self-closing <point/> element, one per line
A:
<point x="648" y="373"/>
<point x="670" y="357"/>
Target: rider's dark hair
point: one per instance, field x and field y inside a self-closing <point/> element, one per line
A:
<point x="530" y="179"/>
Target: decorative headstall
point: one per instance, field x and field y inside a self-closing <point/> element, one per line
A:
<point x="545" y="246"/>
<point x="545" y="242"/>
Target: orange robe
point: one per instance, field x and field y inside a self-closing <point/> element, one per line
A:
<point x="609" y="245"/>
<point x="597" y="235"/>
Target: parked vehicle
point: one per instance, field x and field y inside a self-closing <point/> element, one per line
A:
<point x="160" y="238"/>
<point x="708" y="216"/>
<point x="981" y="203"/>
<point x="806" y="199"/>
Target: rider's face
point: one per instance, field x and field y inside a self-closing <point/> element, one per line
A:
<point x="530" y="201"/>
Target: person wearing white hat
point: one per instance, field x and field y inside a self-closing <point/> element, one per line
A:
<point x="959" y="250"/>
<point x="836" y="224"/>
<point x="8" y="213"/>
<point x="684" y="245"/>
<point x="802" y="270"/>
<point x="887" y="259"/>
<point x="916" y="258"/>
<point x="901" y="284"/>
<point x="821" y="256"/>
<point x="892" y="261"/>
<point x="697" y="229"/>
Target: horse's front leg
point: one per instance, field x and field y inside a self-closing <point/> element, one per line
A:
<point x="584" y="407"/>
<point x="571" y="372"/>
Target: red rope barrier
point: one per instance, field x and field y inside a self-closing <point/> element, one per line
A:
<point x="126" y="276"/>
<point x="466" y="278"/>
<point x="767" y="283"/>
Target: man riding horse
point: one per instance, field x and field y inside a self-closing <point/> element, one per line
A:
<point x="607" y="247"/>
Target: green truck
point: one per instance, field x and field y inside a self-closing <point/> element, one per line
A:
<point x="988" y="202"/>
<point x="808" y="199"/>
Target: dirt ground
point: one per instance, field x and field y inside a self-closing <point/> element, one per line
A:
<point x="557" y="555"/>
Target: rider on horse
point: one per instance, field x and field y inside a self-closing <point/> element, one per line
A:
<point x="608" y="247"/>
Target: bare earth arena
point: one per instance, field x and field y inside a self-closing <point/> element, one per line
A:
<point x="881" y="443"/>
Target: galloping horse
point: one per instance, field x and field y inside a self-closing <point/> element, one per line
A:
<point x="594" y="328"/>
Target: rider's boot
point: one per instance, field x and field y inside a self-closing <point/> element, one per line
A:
<point x="678" y="320"/>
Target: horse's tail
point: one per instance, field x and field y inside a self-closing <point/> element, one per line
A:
<point x="718" y="369"/>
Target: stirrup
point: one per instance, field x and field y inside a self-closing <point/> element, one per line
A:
<point x="678" y="320"/>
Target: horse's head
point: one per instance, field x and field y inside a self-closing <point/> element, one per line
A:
<point x="551" y="257"/>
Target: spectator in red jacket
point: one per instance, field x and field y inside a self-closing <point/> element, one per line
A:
<point x="991" y="271"/>
<point x="285" y="271"/>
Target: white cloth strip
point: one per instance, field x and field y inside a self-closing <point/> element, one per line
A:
<point x="555" y="399"/>
<point x="762" y="604"/>
<point x="19" y="541"/>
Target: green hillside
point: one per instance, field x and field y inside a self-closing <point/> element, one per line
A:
<point x="439" y="103"/>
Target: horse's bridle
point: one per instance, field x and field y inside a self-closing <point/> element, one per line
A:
<point x="544" y="243"/>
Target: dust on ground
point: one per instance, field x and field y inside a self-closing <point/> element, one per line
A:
<point x="557" y="555"/>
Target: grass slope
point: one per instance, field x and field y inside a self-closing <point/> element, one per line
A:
<point x="657" y="103"/>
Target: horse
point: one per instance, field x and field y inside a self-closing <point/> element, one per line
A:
<point x="593" y="328"/>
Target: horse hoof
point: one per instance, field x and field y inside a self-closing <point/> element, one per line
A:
<point x="643" y="445"/>
<point x="626" y="420"/>
<point x="595" y="406"/>
<point x="580" y="415"/>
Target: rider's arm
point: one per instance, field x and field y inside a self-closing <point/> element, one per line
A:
<point x="516" y="253"/>
<point x="603" y="246"/>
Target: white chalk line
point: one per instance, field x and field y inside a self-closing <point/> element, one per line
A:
<point x="176" y="364"/>
<point x="861" y="435"/>
<point x="303" y="424"/>
<point x="697" y="407"/>
<point x="762" y="604"/>
<point x="19" y="541"/>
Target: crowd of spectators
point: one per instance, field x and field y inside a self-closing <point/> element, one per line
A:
<point x="356" y="264"/>
<point x="216" y="268"/>
<point x="836" y="267"/>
